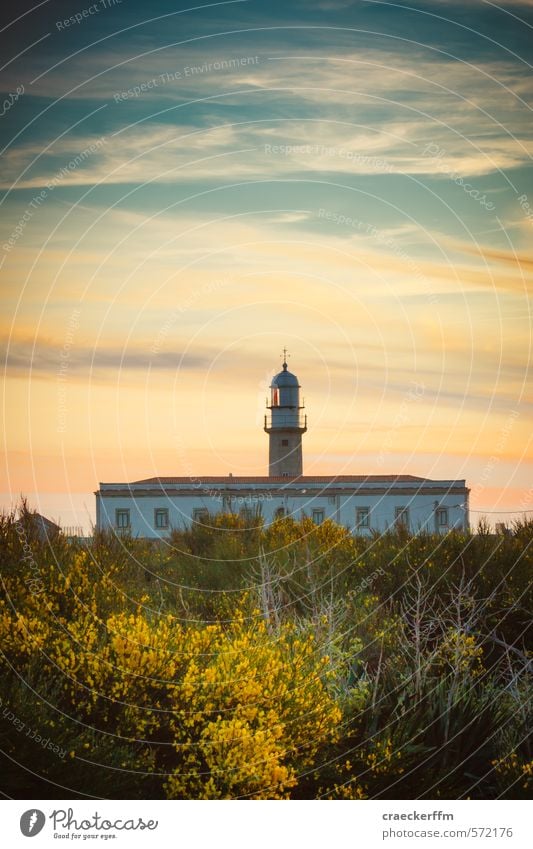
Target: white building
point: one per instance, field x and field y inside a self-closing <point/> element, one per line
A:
<point x="151" y="508"/>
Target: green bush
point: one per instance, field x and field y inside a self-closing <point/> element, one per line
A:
<point x="137" y="669"/>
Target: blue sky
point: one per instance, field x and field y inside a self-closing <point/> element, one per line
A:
<point x="351" y="179"/>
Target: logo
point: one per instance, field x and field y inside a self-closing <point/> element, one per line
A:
<point x="32" y="822"/>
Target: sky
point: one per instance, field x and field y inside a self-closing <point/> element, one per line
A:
<point x="185" y="190"/>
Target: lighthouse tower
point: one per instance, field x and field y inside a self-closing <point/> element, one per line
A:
<point x="285" y="424"/>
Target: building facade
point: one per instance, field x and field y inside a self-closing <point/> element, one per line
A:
<point x="365" y="504"/>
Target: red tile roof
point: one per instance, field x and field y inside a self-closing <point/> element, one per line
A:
<point x="322" y="479"/>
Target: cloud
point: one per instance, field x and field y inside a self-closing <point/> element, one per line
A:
<point x="44" y="358"/>
<point x="476" y="114"/>
<point x="518" y="260"/>
<point x="286" y="149"/>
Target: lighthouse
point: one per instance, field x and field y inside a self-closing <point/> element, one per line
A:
<point x="285" y="423"/>
<point x="365" y="504"/>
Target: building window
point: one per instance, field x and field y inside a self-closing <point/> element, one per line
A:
<point x="200" y="514"/>
<point x="332" y="499"/>
<point x="318" y="517"/>
<point x="402" y="517"/>
<point x="362" y="517"/>
<point x="442" y="517"/>
<point x="285" y="443"/>
<point x="161" y="517"/>
<point x="122" y="518"/>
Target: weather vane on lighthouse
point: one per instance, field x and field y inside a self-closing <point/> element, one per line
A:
<point x="285" y="355"/>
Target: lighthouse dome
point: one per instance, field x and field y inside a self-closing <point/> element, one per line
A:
<point x="285" y="378"/>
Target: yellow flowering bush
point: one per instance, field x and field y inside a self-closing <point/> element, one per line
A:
<point x="460" y="651"/>
<point x="150" y="672"/>
<point x="383" y="759"/>
<point x="242" y="708"/>
<point x="249" y="713"/>
<point x="347" y="786"/>
<point x="516" y="771"/>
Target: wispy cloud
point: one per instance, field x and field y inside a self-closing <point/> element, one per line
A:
<point x="44" y="358"/>
<point x="404" y="104"/>
<point x="519" y="261"/>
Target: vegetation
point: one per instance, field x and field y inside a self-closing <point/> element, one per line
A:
<point x="294" y="661"/>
